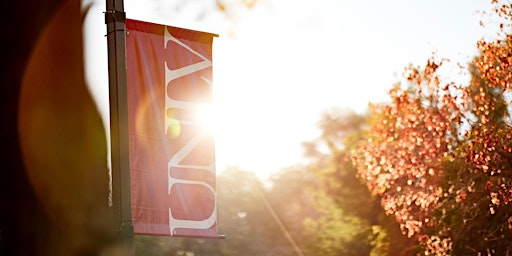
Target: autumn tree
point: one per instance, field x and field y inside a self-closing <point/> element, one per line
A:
<point x="439" y="154"/>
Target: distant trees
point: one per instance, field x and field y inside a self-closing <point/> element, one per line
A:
<point x="247" y="211"/>
<point x="350" y="219"/>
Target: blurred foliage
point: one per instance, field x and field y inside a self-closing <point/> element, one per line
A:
<point x="230" y="12"/>
<point x="242" y="217"/>
<point x="351" y="220"/>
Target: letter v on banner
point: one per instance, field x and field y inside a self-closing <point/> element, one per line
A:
<point x="172" y="154"/>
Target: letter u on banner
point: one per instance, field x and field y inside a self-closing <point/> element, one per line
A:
<point x="172" y="155"/>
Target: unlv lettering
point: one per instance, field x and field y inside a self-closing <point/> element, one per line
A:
<point x="180" y="169"/>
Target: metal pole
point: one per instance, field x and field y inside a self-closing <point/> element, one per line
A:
<point x="115" y="18"/>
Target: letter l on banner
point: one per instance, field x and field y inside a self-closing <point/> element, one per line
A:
<point x="172" y="154"/>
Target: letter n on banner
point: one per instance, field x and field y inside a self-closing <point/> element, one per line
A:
<point x="172" y="155"/>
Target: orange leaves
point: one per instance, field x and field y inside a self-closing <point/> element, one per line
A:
<point x="411" y="139"/>
<point x="494" y="198"/>
<point x="408" y="140"/>
<point x="440" y="155"/>
<point x="436" y="245"/>
<point x="494" y="62"/>
<point x="461" y="195"/>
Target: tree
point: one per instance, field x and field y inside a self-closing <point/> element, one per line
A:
<point x="439" y="155"/>
<point x="350" y="219"/>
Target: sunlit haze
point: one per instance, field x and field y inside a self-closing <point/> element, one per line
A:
<point x="278" y="65"/>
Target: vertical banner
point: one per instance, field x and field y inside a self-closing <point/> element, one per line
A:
<point x="172" y="153"/>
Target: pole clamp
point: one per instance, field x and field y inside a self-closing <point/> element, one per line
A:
<point x="114" y="16"/>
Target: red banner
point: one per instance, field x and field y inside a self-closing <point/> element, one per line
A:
<point x="172" y="155"/>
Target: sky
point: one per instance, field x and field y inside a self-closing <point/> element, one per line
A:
<point x="280" y="64"/>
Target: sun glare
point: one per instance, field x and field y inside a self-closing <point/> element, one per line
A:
<point x="204" y="115"/>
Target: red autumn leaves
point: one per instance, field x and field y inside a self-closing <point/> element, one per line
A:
<point x="440" y="151"/>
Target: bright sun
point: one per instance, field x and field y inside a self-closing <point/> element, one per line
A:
<point x="205" y="117"/>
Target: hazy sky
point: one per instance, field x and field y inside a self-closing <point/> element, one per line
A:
<point x="280" y="64"/>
